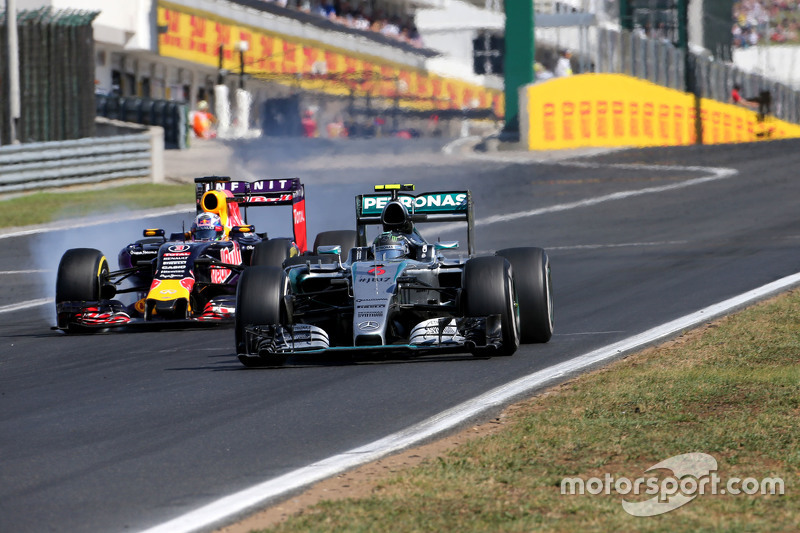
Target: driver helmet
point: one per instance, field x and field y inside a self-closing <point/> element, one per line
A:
<point x="208" y="227"/>
<point x="390" y="245"/>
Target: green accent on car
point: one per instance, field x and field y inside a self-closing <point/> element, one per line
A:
<point x="429" y="203"/>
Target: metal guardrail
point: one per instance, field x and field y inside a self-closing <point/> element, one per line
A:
<point x="25" y="167"/>
<point x="662" y="63"/>
<point x="649" y="59"/>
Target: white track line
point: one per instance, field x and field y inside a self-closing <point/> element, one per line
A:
<point x="620" y="245"/>
<point x="715" y="174"/>
<point x="25" y="305"/>
<point x="236" y="504"/>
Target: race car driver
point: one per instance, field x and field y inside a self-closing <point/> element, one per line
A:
<point x="390" y="245"/>
<point x="208" y="227"/>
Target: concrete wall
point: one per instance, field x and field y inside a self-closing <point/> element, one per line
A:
<point x="616" y="110"/>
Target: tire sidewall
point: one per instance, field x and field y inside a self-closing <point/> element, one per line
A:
<point x="80" y="275"/>
<point x="488" y="287"/>
<point x="533" y="284"/>
<point x="259" y="300"/>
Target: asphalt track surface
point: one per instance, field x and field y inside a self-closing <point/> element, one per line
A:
<point x="127" y="430"/>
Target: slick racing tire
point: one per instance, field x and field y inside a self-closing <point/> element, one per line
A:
<point x="531" y="268"/>
<point x="488" y="289"/>
<point x="272" y="252"/>
<point x="345" y="238"/>
<point x="80" y="276"/>
<point x="259" y="301"/>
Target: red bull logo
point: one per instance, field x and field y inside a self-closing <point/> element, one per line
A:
<point x="232" y="256"/>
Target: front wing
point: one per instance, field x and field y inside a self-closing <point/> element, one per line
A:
<point x="472" y="334"/>
<point x="113" y="313"/>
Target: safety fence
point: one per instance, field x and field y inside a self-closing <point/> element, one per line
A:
<point x="56" y="75"/>
<point x="172" y="116"/>
<point x="664" y="64"/>
<point x="31" y="166"/>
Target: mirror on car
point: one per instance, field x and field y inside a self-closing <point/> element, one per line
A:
<point x="333" y="249"/>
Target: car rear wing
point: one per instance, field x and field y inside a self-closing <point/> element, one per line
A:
<point x="260" y="193"/>
<point x="443" y="206"/>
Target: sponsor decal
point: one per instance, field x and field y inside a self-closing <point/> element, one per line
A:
<point x="261" y="186"/>
<point x="170" y="289"/>
<point x="178" y="247"/>
<point x="374" y="280"/>
<point x="617" y="110"/>
<point x="369" y="314"/>
<point x="272" y="186"/>
<point x="359" y="300"/>
<point x="368" y="325"/>
<point x="233" y="256"/>
<point x="371" y="306"/>
<point x="194" y="35"/>
<point x="451" y="202"/>
<point x="299" y="216"/>
<point x="269" y="199"/>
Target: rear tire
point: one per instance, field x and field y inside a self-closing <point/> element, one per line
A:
<point x="345" y="238"/>
<point x="272" y="252"/>
<point x="488" y="289"/>
<point x="80" y="276"/>
<point x="259" y="301"/>
<point x="532" y="281"/>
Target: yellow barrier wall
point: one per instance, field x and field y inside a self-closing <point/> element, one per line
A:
<point x="618" y="110"/>
<point x="195" y="36"/>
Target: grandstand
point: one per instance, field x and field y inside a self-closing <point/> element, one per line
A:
<point x="348" y="60"/>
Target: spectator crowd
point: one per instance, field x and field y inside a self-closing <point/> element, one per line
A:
<point x="359" y="17"/>
<point x="765" y="22"/>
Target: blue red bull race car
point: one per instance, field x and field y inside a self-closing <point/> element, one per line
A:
<point x="189" y="276"/>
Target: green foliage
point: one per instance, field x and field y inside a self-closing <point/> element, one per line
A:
<point x="43" y="207"/>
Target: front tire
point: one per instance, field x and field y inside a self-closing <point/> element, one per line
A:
<point x="259" y="301"/>
<point x="488" y="289"/>
<point x="80" y="278"/>
<point x="532" y="280"/>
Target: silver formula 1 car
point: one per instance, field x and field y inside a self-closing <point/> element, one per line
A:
<point x="399" y="294"/>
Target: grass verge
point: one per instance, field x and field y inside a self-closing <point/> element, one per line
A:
<point x="43" y="207"/>
<point x="731" y="390"/>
